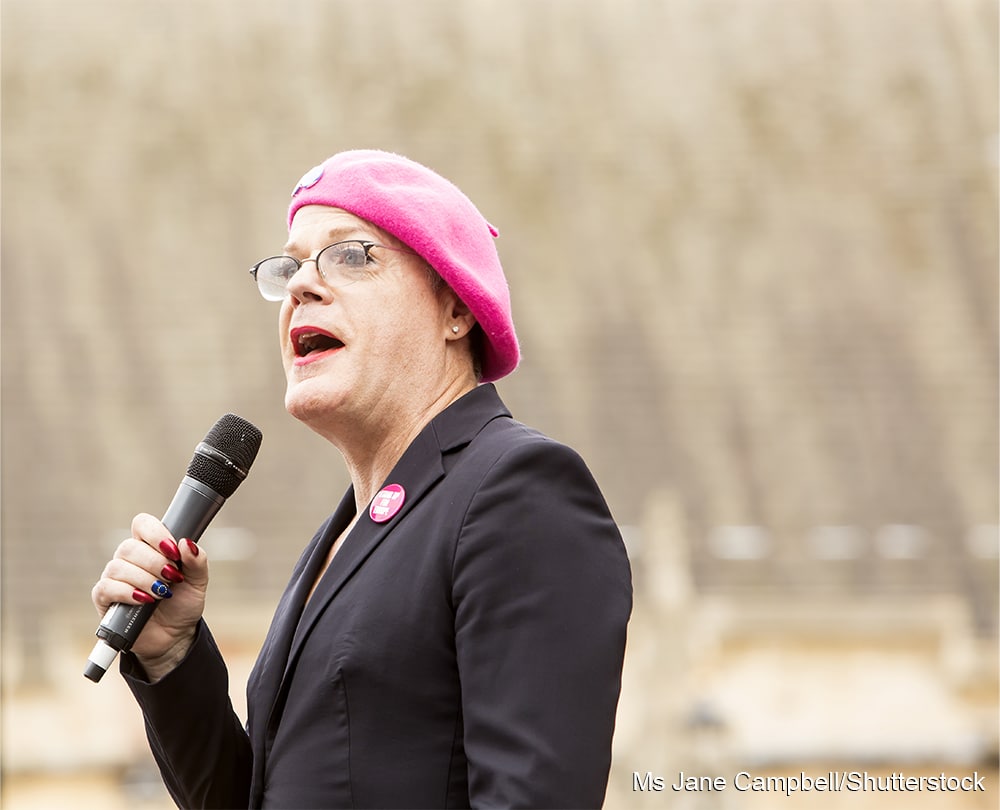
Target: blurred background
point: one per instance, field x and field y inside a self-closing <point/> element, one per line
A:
<point x="752" y="247"/>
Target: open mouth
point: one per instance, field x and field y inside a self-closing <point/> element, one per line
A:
<point x="308" y="341"/>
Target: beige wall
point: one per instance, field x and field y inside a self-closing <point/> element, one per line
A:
<point x="752" y="249"/>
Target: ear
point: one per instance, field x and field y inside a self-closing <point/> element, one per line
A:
<point x="459" y="318"/>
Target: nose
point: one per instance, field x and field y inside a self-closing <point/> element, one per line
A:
<point x="307" y="284"/>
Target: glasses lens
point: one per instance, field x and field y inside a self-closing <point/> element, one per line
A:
<point x="343" y="263"/>
<point x="273" y="275"/>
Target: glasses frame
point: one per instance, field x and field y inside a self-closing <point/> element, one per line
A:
<point x="365" y="244"/>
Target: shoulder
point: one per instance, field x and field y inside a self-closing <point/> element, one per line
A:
<point x="517" y="473"/>
<point x="507" y="442"/>
<point x="535" y="520"/>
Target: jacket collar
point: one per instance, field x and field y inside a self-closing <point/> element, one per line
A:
<point x="458" y="424"/>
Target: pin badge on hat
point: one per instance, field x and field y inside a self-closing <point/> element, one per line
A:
<point x="387" y="503"/>
<point x="309" y="179"/>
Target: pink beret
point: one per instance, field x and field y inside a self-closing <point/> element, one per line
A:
<point x="435" y="219"/>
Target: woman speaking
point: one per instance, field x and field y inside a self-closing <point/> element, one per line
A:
<point x="453" y="634"/>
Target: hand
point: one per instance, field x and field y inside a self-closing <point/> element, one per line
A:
<point x="152" y="555"/>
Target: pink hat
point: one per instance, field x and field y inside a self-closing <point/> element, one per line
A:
<point x="434" y="218"/>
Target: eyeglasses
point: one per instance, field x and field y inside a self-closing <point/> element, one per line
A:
<point x="339" y="264"/>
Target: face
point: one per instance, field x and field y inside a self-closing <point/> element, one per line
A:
<point x="359" y="356"/>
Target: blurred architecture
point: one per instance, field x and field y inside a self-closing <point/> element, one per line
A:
<point x="753" y="257"/>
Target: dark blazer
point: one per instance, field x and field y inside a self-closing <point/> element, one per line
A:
<point x="466" y="652"/>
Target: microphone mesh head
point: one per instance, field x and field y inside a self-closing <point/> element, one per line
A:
<point x="238" y="441"/>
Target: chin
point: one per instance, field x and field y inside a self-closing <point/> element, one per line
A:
<point x="309" y="403"/>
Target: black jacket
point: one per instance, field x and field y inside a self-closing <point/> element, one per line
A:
<point x="467" y="652"/>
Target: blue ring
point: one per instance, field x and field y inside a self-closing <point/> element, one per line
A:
<point x="160" y="589"/>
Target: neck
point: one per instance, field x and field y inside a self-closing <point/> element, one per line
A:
<point x="373" y="448"/>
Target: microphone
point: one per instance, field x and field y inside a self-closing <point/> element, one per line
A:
<point x="219" y="465"/>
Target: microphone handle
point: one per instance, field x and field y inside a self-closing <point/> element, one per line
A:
<point x="192" y="509"/>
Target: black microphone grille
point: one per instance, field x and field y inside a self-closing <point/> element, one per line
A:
<point x="223" y="459"/>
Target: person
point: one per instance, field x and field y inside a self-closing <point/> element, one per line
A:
<point x="454" y="633"/>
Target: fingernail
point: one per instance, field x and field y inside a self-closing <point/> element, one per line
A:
<point x="160" y="589"/>
<point x="171" y="574"/>
<point x="192" y="547"/>
<point x="142" y="597"/>
<point x="170" y="550"/>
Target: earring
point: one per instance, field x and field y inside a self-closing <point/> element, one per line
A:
<point x="454" y="329"/>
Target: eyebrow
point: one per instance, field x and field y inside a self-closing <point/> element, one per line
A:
<point x="341" y="234"/>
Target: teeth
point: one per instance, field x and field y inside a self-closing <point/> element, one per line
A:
<point x="307" y="342"/>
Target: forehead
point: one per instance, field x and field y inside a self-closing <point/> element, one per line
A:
<point x="316" y="226"/>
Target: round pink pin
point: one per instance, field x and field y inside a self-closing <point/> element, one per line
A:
<point x="387" y="503"/>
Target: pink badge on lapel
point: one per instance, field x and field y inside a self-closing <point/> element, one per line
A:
<point x="387" y="503"/>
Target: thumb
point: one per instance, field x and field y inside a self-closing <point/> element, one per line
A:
<point x="194" y="562"/>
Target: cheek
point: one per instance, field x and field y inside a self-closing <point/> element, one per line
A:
<point x="408" y="332"/>
<point x="416" y="312"/>
<point x="284" y="318"/>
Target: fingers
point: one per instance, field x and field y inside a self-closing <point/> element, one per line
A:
<point x="109" y="591"/>
<point x="182" y="553"/>
<point x="125" y="581"/>
<point x="152" y="532"/>
<point x="157" y="583"/>
<point x="194" y="563"/>
<point x="148" y="566"/>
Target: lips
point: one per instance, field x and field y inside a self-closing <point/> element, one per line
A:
<point x="311" y="342"/>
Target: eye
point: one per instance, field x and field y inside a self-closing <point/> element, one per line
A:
<point x="352" y="254"/>
<point x="284" y="267"/>
<point x="343" y="263"/>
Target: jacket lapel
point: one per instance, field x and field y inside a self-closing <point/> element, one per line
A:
<point x="419" y="469"/>
<point x="417" y="472"/>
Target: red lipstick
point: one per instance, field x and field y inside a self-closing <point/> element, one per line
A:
<point x="310" y="343"/>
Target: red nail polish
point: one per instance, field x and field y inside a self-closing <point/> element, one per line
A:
<point x="170" y="550"/>
<point x="171" y="574"/>
<point x="142" y="597"/>
<point x="192" y="547"/>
